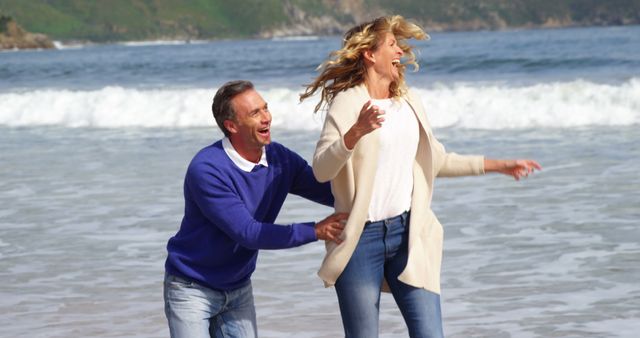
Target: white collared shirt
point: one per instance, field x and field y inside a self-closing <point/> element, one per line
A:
<point x="239" y="161"/>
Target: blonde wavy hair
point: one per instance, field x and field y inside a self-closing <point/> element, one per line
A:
<point x="345" y="67"/>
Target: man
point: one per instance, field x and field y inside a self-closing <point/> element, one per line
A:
<point x="233" y="192"/>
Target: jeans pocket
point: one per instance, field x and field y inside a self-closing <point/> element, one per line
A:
<point x="178" y="283"/>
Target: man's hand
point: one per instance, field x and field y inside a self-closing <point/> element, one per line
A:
<point x="330" y="228"/>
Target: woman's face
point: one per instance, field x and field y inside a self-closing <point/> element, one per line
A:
<point x="386" y="58"/>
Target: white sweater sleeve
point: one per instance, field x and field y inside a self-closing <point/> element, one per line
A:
<point x="331" y="153"/>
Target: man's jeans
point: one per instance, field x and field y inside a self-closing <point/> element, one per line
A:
<point x="382" y="252"/>
<point x="195" y="311"/>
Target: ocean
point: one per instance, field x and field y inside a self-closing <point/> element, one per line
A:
<point x="95" y="140"/>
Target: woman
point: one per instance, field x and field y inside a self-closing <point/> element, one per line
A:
<point x="381" y="159"/>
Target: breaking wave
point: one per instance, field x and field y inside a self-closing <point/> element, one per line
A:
<point x="490" y="106"/>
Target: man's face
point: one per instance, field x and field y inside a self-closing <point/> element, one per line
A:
<point x="251" y="129"/>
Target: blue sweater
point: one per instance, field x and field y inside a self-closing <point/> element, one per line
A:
<point x="229" y="215"/>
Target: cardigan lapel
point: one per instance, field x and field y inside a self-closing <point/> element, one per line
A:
<point x="426" y="130"/>
<point x="365" y="162"/>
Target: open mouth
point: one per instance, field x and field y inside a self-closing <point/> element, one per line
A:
<point x="264" y="131"/>
<point x="395" y="62"/>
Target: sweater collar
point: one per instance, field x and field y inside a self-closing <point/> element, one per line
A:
<point x="240" y="161"/>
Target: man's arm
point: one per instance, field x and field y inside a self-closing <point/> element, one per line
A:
<point x="305" y="184"/>
<point x="222" y="207"/>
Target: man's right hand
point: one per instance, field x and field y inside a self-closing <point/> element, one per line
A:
<point x="330" y="228"/>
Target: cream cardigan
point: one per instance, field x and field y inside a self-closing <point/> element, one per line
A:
<point x="352" y="173"/>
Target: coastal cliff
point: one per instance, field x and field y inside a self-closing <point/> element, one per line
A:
<point x="12" y="36"/>
<point x="458" y="15"/>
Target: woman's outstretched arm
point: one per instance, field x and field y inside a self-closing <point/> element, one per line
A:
<point x="515" y="168"/>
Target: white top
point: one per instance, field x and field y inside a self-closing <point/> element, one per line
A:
<point x="393" y="184"/>
<point x="239" y="161"/>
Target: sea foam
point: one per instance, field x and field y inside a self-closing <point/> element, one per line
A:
<point x="468" y="106"/>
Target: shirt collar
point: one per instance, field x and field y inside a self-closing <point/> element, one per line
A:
<point x="240" y="161"/>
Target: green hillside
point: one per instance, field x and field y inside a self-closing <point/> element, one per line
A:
<point x="111" y="20"/>
<point x="141" y="19"/>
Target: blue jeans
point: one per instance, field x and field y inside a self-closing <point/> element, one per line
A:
<point x="382" y="253"/>
<point x="195" y="311"/>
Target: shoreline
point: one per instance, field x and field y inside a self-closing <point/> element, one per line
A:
<point x="75" y="43"/>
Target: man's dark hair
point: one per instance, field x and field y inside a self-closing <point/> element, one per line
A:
<point x="222" y="108"/>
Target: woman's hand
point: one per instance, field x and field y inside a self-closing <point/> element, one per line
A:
<point x="370" y="119"/>
<point x="515" y="168"/>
